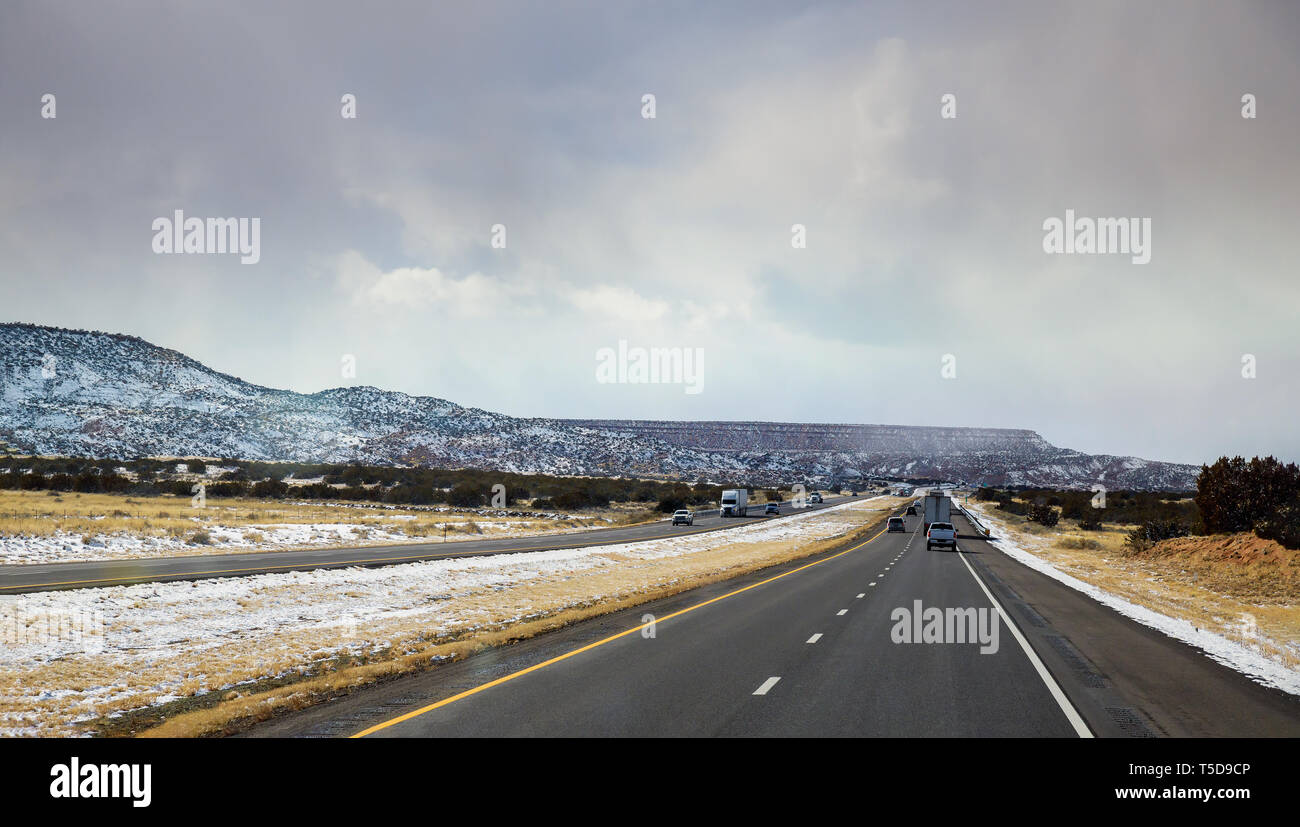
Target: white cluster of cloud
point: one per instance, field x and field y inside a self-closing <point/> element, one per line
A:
<point x="924" y="234"/>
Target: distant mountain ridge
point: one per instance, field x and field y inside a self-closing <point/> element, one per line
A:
<point x="993" y="456"/>
<point x="83" y="393"/>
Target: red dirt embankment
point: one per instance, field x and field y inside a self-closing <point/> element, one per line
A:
<point x="1242" y="565"/>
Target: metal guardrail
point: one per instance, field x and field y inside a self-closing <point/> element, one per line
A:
<point x="975" y="521"/>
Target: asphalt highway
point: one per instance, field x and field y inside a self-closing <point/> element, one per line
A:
<point x="16" y="579"/>
<point x="812" y="649"/>
<point x="808" y="654"/>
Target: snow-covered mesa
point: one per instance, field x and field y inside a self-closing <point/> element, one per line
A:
<point x="80" y="393"/>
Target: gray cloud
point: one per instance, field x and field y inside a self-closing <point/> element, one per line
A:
<point x="924" y="234"/>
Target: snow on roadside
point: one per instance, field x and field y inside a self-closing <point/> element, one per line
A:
<point x="1230" y="653"/>
<point x="64" y="547"/>
<point x="153" y="642"/>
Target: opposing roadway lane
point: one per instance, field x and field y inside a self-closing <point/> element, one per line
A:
<point x="807" y="650"/>
<point x="77" y="575"/>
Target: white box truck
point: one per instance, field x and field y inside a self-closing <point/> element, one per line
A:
<point x="735" y="502"/>
<point x="937" y="507"/>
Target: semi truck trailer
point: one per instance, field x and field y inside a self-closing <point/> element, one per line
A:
<point x="735" y="502"/>
<point x="937" y="508"/>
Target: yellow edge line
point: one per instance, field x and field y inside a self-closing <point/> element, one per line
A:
<point x="445" y="701"/>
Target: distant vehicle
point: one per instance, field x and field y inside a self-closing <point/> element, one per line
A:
<point x="940" y="534"/>
<point x="814" y="498"/>
<point x="735" y="502"/>
<point x="683" y="516"/>
<point x="937" y="509"/>
<point x="772" y="508"/>
<point x="911" y="511"/>
<point x="897" y="524"/>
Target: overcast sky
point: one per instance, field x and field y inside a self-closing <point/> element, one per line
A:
<point x="924" y="233"/>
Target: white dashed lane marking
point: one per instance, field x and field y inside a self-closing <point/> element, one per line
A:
<point x="767" y="685"/>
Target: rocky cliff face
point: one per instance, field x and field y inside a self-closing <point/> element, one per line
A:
<point x="791" y="436"/>
<point x="105" y="395"/>
<point x="996" y="456"/>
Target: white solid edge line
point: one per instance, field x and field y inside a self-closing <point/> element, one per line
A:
<point x="767" y="684"/>
<point x="1076" y="720"/>
<point x="814" y="638"/>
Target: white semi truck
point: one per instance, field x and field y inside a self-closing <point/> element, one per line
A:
<point x="939" y="530"/>
<point x="735" y="502"/>
<point x="937" y="507"/>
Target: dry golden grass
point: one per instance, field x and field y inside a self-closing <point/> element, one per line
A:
<point x="498" y="621"/>
<point x="1240" y="565"/>
<point x="638" y="516"/>
<point x="1252" y="599"/>
<point x="37" y="514"/>
<point x="1078" y="542"/>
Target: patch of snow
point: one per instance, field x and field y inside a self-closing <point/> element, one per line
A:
<point x="297" y="616"/>
<point x="1230" y="653"/>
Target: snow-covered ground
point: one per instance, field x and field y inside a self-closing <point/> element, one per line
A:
<point x="63" y="546"/>
<point x="1248" y="659"/>
<point x="138" y="646"/>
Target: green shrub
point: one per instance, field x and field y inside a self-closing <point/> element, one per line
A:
<point x="1090" y="521"/>
<point x="1153" y="531"/>
<point x="1236" y="495"/>
<point x="1044" y="515"/>
<point x="670" y="504"/>
<point x="466" y="495"/>
<point x="1283" y="525"/>
<point x="1013" y="507"/>
<point x="268" y="490"/>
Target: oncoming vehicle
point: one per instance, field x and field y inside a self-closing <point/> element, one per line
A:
<point x="735" y="502"/>
<point x="772" y="508"/>
<point x="897" y="524"/>
<point x="814" y="498"/>
<point x="940" y="534"/>
<point x="683" y="516"/>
